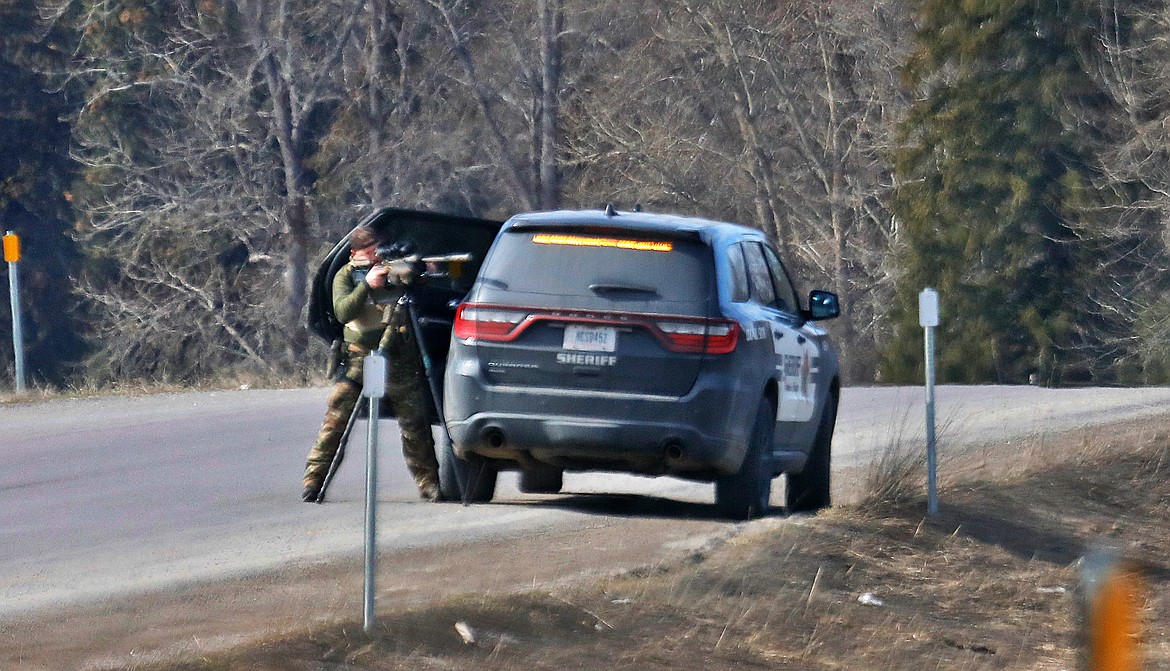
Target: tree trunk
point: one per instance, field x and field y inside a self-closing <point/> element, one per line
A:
<point x="551" y="22"/>
<point x="759" y="164"/>
<point x="515" y="173"/>
<point x="295" y="224"/>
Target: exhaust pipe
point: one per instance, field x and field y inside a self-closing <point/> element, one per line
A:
<point x="673" y="449"/>
<point x="494" y="437"/>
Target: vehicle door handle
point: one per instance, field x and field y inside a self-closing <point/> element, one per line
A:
<point x="777" y="334"/>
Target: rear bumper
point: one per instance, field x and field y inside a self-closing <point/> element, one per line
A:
<point x="700" y="435"/>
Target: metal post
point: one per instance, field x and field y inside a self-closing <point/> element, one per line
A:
<point x="373" y="387"/>
<point x="928" y="318"/>
<point x="931" y="447"/>
<point x="371" y="517"/>
<point x="12" y="255"/>
<point x="17" y="328"/>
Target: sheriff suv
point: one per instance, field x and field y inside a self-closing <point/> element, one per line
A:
<point x="640" y="343"/>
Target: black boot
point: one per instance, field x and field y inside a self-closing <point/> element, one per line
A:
<point x="310" y="493"/>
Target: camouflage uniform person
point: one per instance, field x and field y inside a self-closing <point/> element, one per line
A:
<point x="366" y="298"/>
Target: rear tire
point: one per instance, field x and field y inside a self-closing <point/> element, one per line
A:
<point x="448" y="476"/>
<point x="475" y="472"/>
<point x="746" y="494"/>
<point x="809" y="490"/>
<point x="542" y="480"/>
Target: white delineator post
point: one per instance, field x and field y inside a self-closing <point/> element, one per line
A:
<point x="373" y="388"/>
<point x="928" y="318"/>
<point x="12" y="256"/>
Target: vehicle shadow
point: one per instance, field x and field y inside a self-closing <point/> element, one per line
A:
<point x="629" y="505"/>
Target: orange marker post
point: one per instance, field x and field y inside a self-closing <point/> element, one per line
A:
<point x="12" y="256"/>
<point x="11" y="247"/>
<point x="1113" y="623"/>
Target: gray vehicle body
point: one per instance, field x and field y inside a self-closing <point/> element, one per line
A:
<point x="534" y="398"/>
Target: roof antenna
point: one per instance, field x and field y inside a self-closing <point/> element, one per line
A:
<point x="609" y="210"/>
<point x="637" y="207"/>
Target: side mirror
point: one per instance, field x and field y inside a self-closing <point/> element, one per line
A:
<point x="822" y="305"/>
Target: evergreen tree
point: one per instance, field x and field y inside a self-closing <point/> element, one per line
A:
<point x="995" y="183"/>
<point x="35" y="171"/>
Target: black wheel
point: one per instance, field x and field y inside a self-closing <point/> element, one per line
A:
<point x="808" y="491"/>
<point x="475" y="473"/>
<point x="449" y="476"/>
<point x="746" y="494"/>
<point x="542" y="480"/>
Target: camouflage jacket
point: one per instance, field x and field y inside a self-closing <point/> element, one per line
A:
<point x="361" y="308"/>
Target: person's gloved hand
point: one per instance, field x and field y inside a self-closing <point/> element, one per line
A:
<point x="376" y="278"/>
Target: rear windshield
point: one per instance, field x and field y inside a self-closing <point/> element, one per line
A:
<point x="577" y="263"/>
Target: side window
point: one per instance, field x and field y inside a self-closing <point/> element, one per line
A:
<point x="785" y="294"/>
<point x="757" y="268"/>
<point x="739" y="275"/>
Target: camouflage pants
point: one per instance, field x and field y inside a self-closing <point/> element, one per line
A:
<point x="406" y="390"/>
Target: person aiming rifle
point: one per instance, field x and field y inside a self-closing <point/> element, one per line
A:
<point x="368" y="297"/>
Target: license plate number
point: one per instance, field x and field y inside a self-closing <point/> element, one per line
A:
<point x="590" y="338"/>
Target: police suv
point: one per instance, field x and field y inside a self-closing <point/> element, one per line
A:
<point x="642" y="343"/>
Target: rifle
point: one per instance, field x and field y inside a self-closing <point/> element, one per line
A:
<point x="409" y="267"/>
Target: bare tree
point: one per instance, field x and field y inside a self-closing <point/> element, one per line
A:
<point x="450" y="17"/>
<point x="466" y="101"/>
<point x="298" y="69"/>
<point x="1133" y="332"/>
<point x="245" y="124"/>
<point x="195" y="136"/>
<point x="552" y="21"/>
<point x="839" y="104"/>
<point x="774" y="114"/>
<point x="402" y="134"/>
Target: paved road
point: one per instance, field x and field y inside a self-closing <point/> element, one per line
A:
<point x="101" y="497"/>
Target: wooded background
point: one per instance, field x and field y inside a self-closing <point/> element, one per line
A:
<point x="177" y="169"/>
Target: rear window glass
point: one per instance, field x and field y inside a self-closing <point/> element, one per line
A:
<point x="576" y="263"/>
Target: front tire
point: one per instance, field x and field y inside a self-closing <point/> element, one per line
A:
<point x="809" y="490"/>
<point x="747" y="494"/>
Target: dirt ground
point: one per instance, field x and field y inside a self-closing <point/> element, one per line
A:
<point x="992" y="582"/>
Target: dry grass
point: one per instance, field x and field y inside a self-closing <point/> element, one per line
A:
<point x="141" y="388"/>
<point x="987" y="584"/>
<point x="899" y="473"/>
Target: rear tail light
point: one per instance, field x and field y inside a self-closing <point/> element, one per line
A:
<point x="712" y="336"/>
<point x="488" y="323"/>
<point x="495" y="323"/>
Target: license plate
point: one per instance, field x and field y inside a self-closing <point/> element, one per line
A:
<point x="590" y="338"/>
